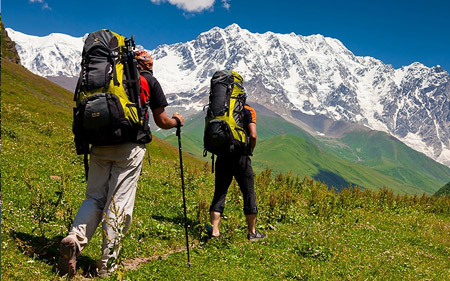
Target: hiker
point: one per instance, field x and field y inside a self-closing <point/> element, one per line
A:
<point x="114" y="171"/>
<point x="234" y="162"/>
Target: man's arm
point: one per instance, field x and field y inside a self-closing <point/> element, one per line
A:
<point x="165" y="122"/>
<point x="253" y="136"/>
<point x="157" y="104"/>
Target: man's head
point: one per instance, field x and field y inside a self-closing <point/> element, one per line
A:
<point x="144" y="60"/>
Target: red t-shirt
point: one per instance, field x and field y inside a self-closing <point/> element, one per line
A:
<point x="157" y="97"/>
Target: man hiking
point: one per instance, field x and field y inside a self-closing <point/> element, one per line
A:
<point x="235" y="162"/>
<point x="114" y="171"/>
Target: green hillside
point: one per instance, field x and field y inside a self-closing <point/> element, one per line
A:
<point x="370" y="159"/>
<point x="192" y="136"/>
<point x="443" y="191"/>
<point x="268" y="127"/>
<point x="294" y="154"/>
<point x="384" y="152"/>
<point x="313" y="233"/>
<point x="389" y="156"/>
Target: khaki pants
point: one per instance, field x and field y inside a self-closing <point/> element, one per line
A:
<point x="110" y="195"/>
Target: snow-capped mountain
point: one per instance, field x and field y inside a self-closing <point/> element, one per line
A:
<point x="313" y="75"/>
<point x="49" y="56"/>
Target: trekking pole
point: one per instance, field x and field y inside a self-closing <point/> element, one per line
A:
<point x="182" y="186"/>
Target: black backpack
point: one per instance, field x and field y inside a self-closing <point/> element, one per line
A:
<point x="108" y="109"/>
<point x="224" y="121"/>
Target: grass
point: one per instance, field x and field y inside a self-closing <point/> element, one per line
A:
<point x="313" y="232"/>
<point x="356" y="247"/>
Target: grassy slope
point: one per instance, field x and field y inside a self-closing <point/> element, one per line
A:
<point x="296" y="155"/>
<point x="443" y="191"/>
<point x="390" y="157"/>
<point x="191" y="140"/>
<point x="39" y="162"/>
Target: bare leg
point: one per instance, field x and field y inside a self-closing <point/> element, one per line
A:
<point x="215" y="220"/>
<point x="251" y="222"/>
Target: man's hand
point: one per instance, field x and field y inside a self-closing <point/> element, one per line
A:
<point x="164" y="121"/>
<point x="180" y="117"/>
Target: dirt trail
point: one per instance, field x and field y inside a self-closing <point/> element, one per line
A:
<point x="135" y="263"/>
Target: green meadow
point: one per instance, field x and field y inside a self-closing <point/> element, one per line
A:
<point x="314" y="232"/>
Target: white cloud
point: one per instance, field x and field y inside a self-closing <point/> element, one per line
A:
<point x="226" y="4"/>
<point x="45" y="5"/>
<point x="186" y="5"/>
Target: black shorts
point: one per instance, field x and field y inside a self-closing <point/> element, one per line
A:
<point x="239" y="166"/>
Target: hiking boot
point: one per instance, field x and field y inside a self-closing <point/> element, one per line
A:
<point x="104" y="270"/>
<point x="215" y="236"/>
<point x="67" y="257"/>
<point x="210" y="235"/>
<point x="256" y="236"/>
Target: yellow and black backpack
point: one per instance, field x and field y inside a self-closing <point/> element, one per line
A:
<point x="224" y="121"/>
<point x="108" y="109"/>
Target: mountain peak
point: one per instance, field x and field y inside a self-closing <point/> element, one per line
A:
<point x="291" y="75"/>
<point x="53" y="55"/>
<point x="233" y="26"/>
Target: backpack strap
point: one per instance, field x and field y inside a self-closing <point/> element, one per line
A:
<point x="86" y="165"/>
<point x="205" y="152"/>
<point x="116" y="82"/>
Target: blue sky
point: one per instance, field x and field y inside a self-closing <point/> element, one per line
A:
<point x="398" y="32"/>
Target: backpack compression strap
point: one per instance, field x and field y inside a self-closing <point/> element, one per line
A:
<point x="205" y="152"/>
